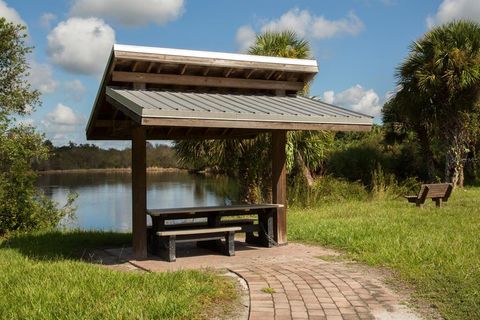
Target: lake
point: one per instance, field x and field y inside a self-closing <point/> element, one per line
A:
<point x="105" y="201"/>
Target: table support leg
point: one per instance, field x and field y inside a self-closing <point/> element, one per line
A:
<point x="266" y="229"/>
<point x="215" y="245"/>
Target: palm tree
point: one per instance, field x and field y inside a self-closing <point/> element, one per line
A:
<point x="284" y="44"/>
<point x="252" y="163"/>
<point x="440" y="82"/>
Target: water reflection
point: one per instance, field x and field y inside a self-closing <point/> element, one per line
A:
<point x="104" y="201"/>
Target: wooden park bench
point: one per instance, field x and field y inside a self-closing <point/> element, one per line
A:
<point x="169" y="238"/>
<point x="438" y="192"/>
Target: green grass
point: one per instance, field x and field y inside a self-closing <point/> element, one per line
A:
<point x="42" y="278"/>
<point x="437" y="251"/>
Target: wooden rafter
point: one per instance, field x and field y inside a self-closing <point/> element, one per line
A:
<point x="150" y="66"/>
<point x="184" y="68"/>
<point x="270" y="74"/>
<point x="249" y="73"/>
<point x="135" y="66"/>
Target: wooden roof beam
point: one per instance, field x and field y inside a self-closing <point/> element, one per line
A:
<point x="171" y="79"/>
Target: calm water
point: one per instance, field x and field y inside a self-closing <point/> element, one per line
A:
<point x="104" y="199"/>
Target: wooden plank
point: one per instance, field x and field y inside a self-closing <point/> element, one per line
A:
<point x="247" y="124"/>
<point x="139" y="192"/>
<point x="197" y="231"/>
<point x="193" y="210"/>
<point x="172" y="79"/>
<point x="279" y="184"/>
<point x="214" y="62"/>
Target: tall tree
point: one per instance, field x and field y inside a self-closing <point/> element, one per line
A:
<point x="440" y="87"/>
<point x="21" y="205"/>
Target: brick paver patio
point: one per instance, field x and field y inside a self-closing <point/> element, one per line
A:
<point x="313" y="289"/>
<point x="292" y="282"/>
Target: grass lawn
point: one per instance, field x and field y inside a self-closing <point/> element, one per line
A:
<point x="437" y="251"/>
<point x="41" y="278"/>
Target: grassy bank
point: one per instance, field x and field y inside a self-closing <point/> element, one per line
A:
<point x="437" y="251"/>
<point x="42" y="278"/>
<point x="112" y="170"/>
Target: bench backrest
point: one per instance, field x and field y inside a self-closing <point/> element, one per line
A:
<point x="435" y="190"/>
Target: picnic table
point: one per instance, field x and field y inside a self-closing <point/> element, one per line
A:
<point x="218" y="217"/>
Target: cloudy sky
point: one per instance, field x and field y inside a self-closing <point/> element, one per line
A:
<point x="357" y="43"/>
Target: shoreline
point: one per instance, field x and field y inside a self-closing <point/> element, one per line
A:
<point x="110" y="170"/>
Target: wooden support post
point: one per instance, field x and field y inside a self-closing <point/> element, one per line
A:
<point x="139" y="192"/>
<point x="279" y="184"/>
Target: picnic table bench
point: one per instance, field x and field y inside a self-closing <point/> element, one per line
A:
<point x="209" y="233"/>
<point x="438" y="192"/>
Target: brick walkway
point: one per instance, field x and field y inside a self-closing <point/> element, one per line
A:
<point x="291" y="282"/>
<point x="313" y="289"/>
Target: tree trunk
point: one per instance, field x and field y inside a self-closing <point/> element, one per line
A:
<point x="455" y="157"/>
<point x="304" y="169"/>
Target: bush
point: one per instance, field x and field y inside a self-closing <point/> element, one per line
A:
<point x="385" y="185"/>
<point x="22" y="206"/>
<point x="325" y="189"/>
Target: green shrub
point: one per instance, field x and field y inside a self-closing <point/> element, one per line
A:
<point x="385" y="185"/>
<point x="325" y="189"/>
<point x="21" y="206"/>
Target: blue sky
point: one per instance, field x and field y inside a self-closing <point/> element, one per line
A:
<point x="357" y="43"/>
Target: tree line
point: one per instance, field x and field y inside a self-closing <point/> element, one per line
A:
<point x="90" y="156"/>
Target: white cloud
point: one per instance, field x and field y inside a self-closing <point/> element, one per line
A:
<point x="81" y="45"/>
<point x="128" y="12"/>
<point x="245" y="38"/>
<point x="356" y="98"/>
<point x="46" y="20"/>
<point x="305" y="24"/>
<point x="323" y="28"/>
<point x="41" y="77"/>
<point x="10" y="14"/>
<point x="75" y="90"/>
<point x="318" y="27"/>
<point x="63" y="115"/>
<point x="298" y="20"/>
<point x="455" y="9"/>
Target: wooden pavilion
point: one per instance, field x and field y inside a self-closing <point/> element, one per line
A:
<point x="164" y="94"/>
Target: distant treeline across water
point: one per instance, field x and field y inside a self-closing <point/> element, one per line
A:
<point x="89" y="156"/>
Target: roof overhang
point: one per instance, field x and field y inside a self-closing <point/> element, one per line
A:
<point x="181" y="94"/>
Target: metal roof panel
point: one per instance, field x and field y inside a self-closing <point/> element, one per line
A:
<point x="216" y="106"/>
